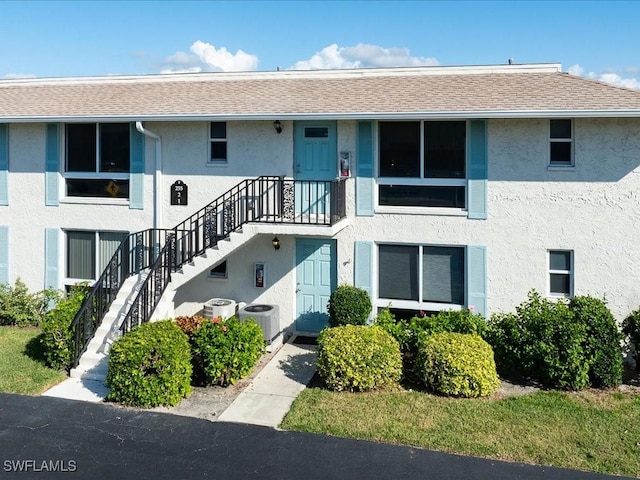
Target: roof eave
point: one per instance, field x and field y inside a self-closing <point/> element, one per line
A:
<point x="426" y="115"/>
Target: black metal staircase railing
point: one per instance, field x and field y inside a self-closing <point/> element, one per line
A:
<point x="157" y="253"/>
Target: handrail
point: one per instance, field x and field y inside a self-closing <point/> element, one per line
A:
<point x="158" y="252"/>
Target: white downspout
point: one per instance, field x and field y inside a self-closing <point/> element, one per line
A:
<point x="157" y="176"/>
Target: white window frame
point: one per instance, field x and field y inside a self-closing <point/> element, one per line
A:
<point x="219" y="161"/>
<point x="420" y="181"/>
<point x="95" y="175"/>
<point x="570" y="140"/>
<point x="569" y="273"/>
<point x="419" y="304"/>
<point x="70" y="281"/>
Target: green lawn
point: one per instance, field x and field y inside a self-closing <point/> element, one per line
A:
<point x="598" y="431"/>
<point x="21" y="367"/>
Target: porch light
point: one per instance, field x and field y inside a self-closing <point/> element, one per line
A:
<point x="275" y="242"/>
<point x="278" y="126"/>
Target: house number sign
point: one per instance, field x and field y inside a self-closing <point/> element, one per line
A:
<point x="179" y="193"/>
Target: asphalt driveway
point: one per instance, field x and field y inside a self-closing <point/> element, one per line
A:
<point x="44" y="437"/>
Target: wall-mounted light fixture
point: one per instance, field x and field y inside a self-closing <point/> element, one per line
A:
<point x="275" y="243"/>
<point x="278" y="126"/>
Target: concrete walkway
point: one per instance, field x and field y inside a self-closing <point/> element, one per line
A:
<point x="265" y="401"/>
<point x="269" y="396"/>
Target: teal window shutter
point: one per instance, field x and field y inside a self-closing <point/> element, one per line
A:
<point x="51" y="240"/>
<point x="52" y="166"/>
<point x="4" y="164"/>
<point x="362" y="266"/>
<point x="364" y="169"/>
<point x="136" y="175"/>
<point x="477" y="278"/>
<point x="4" y="254"/>
<point x="478" y="170"/>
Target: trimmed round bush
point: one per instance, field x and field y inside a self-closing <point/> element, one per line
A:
<point x="226" y="351"/>
<point x="150" y="366"/>
<point x="348" y="305"/>
<point x="358" y="358"/>
<point x="457" y="364"/>
<point x="602" y="340"/>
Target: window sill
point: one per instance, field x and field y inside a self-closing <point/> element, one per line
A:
<point x="436" y="211"/>
<point x="95" y="201"/>
<point x="561" y="168"/>
<point x="211" y="278"/>
<point x="217" y="164"/>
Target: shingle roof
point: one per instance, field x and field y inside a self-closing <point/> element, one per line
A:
<point x="377" y="93"/>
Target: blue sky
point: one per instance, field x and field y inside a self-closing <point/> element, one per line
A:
<point x="75" y="38"/>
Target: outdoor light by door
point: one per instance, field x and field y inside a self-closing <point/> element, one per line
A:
<point x="278" y="126"/>
<point x="276" y="243"/>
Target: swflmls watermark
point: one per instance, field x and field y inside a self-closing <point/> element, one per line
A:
<point x="39" y="465"/>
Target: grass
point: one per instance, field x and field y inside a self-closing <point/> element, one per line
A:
<point x="21" y="367"/>
<point x="597" y="431"/>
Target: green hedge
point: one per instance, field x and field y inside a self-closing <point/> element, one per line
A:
<point x="457" y="364"/>
<point x="21" y="308"/>
<point x="226" y="351"/>
<point x="358" y="358"/>
<point x="348" y="305"/>
<point x="631" y="329"/>
<point x="57" y="337"/>
<point x="567" y="345"/>
<point x="150" y="366"/>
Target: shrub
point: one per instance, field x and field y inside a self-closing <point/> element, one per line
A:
<point x="150" y="366"/>
<point x="57" y="336"/>
<point x="457" y="364"/>
<point x="631" y="329"/>
<point x="601" y="344"/>
<point x="358" y="358"/>
<point x="190" y="324"/>
<point x="348" y="305"/>
<point x="227" y="351"/>
<point x="21" y="308"/>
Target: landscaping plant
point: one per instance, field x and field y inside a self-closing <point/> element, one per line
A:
<point x="21" y="308"/>
<point x="150" y="366"/>
<point x="348" y="305"/>
<point x="457" y="364"/>
<point x="358" y="358"/>
<point x="631" y="329"/>
<point x="227" y="351"/>
<point x="57" y="337"/>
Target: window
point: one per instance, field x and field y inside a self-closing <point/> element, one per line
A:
<point x="97" y="160"/>
<point x="422" y="164"/>
<point x="560" y="142"/>
<point x="561" y="273"/>
<point x="421" y="278"/>
<point x="88" y="253"/>
<point x="219" y="271"/>
<point x="218" y="142"/>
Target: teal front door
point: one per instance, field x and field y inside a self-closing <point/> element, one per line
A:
<point x="315" y="159"/>
<point x="316" y="277"/>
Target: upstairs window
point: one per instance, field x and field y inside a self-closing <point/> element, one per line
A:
<point x="218" y="142"/>
<point x="561" y="143"/>
<point x="97" y="160"/>
<point x="422" y="164"/>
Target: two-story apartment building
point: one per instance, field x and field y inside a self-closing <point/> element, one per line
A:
<point x="430" y="187"/>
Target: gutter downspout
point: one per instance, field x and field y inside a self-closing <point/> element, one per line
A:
<point x="157" y="175"/>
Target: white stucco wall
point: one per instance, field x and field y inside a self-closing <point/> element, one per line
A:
<point x="592" y="209"/>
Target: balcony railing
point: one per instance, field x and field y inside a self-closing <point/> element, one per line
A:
<point x="156" y="253"/>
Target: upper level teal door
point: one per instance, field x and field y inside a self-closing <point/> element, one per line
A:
<point x="315" y="159"/>
<point x="316" y="277"/>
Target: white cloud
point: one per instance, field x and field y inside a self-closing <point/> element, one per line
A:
<point x="205" y="57"/>
<point x="361" y="55"/>
<point x="576" y="70"/>
<point x="16" y="76"/>
<point x="608" y="76"/>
